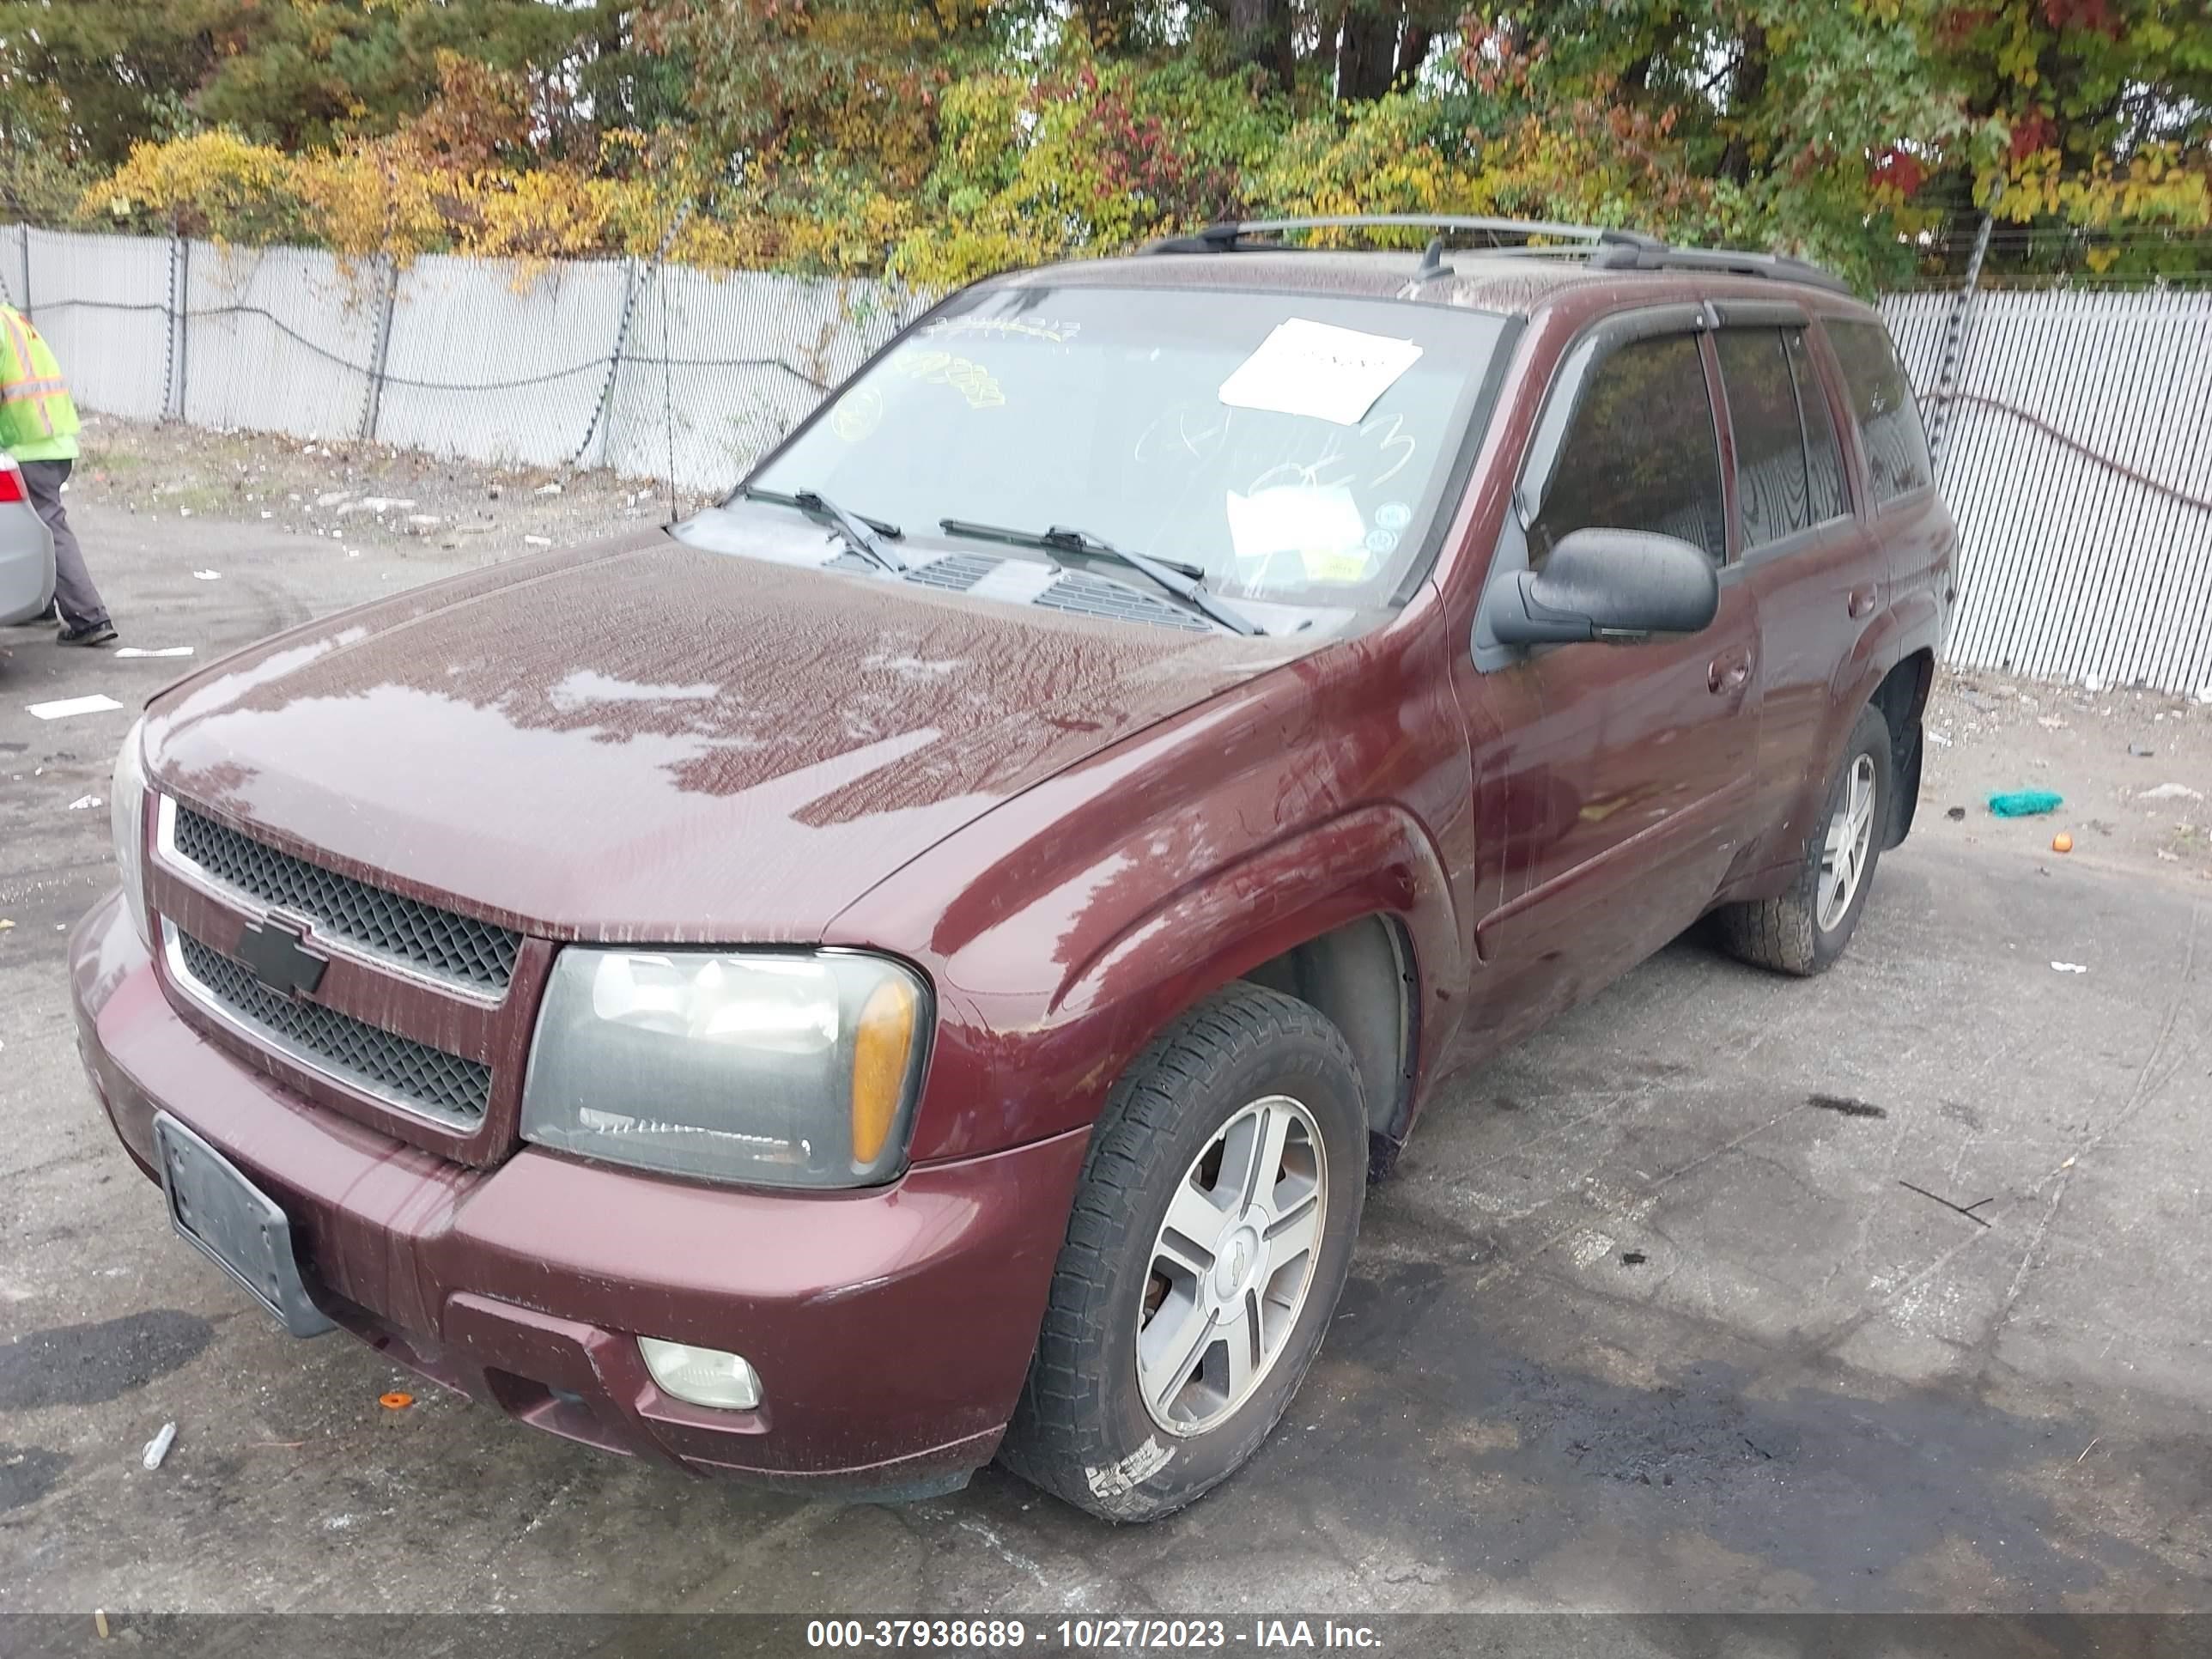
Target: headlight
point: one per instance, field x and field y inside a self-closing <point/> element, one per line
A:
<point x="126" y="822"/>
<point x="773" y="1067"/>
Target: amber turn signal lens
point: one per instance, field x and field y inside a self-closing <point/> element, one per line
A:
<point x="881" y="1046"/>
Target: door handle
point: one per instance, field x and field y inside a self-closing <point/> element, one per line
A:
<point x="1862" y="601"/>
<point x="1727" y="674"/>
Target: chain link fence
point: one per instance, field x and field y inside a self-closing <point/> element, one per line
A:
<point x="655" y="370"/>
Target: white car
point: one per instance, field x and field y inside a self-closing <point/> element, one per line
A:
<point x="27" y="551"/>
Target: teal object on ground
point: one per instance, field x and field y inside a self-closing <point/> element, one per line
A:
<point x="2025" y="803"/>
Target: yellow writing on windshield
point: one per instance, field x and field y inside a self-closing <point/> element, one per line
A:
<point x="963" y="375"/>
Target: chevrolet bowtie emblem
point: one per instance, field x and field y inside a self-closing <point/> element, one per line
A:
<point x="280" y="958"/>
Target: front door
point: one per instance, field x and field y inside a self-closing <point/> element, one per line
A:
<point x="1623" y="791"/>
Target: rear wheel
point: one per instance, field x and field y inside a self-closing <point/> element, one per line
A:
<point x="1806" y="929"/>
<point x="1208" y="1244"/>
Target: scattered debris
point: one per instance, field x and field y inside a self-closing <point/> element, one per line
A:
<point x="99" y="1614"/>
<point x="2062" y="842"/>
<point x="83" y="801"/>
<point x="6" y="922"/>
<point x="2086" y="1449"/>
<point x="396" y="1400"/>
<point x="2139" y="751"/>
<point x="2164" y="791"/>
<point x="207" y="575"/>
<point x="1844" y="1106"/>
<point x="547" y="490"/>
<point x="2025" y="803"/>
<point x="2093" y="683"/>
<point x="1956" y="814"/>
<point x="142" y="651"/>
<point x="63" y="708"/>
<point x="158" y="1447"/>
<point x="538" y="541"/>
<point x="1941" y="739"/>
<point x="2070" y="968"/>
<point x="1633" y="1258"/>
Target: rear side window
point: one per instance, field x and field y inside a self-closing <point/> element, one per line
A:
<point x="1881" y="402"/>
<point x="1770" y="489"/>
<point x="1824" y="455"/>
<point x="1640" y="453"/>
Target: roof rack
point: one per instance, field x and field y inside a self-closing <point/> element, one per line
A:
<point x="1605" y="248"/>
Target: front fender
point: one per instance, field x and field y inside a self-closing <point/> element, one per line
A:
<point x="1375" y="860"/>
<point x="1016" y="1062"/>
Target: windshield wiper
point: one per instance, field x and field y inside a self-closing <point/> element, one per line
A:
<point x="864" y="536"/>
<point x="1172" y="577"/>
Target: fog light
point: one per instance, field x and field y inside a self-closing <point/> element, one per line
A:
<point x="704" y="1377"/>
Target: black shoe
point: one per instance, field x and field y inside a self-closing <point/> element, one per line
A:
<point x="99" y="633"/>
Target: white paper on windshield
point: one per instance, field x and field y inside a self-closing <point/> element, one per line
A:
<point x="1320" y="370"/>
<point x="1321" y="526"/>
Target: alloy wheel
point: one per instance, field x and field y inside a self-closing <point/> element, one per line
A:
<point x="1850" y="838"/>
<point x="1231" y="1264"/>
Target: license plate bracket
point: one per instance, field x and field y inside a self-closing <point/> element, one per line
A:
<point x="235" y="1224"/>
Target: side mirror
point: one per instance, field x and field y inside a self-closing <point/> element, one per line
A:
<point x="1607" y="585"/>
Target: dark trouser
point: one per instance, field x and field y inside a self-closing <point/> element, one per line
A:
<point x="79" y="601"/>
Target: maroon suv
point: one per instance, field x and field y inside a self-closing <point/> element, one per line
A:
<point x="919" y="962"/>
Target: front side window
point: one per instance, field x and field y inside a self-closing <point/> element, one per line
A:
<point x="1881" y="401"/>
<point x="1770" y="490"/>
<point x="1296" y="447"/>
<point x="1640" y="453"/>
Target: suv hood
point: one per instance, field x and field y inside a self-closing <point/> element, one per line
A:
<point x="646" y="740"/>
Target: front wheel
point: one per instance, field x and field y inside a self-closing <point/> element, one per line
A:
<point x="1209" y="1242"/>
<point x="1805" y="930"/>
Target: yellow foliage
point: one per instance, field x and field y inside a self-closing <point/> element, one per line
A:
<point x="211" y="183"/>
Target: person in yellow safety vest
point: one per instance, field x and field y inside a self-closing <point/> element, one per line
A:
<point x="39" y="428"/>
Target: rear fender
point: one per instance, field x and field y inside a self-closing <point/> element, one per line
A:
<point x="1856" y="680"/>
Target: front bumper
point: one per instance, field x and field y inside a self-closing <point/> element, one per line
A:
<point x="891" y="1329"/>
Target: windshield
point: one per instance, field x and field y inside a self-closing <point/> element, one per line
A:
<point x="1295" y="446"/>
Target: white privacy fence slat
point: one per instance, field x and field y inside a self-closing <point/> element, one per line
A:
<point x="2087" y="557"/>
<point x="103" y="303"/>
<point x="275" y="339"/>
<point x="2071" y="563"/>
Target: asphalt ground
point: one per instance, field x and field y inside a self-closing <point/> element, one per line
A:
<point x="1887" y="1291"/>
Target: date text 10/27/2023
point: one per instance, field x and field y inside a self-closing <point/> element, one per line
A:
<point x="1095" y="1634"/>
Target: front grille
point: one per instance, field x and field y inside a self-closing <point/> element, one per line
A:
<point x="399" y="1069"/>
<point x="470" y="953"/>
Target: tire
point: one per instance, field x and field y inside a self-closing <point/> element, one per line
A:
<point x="1801" y="932"/>
<point x="1182" y="1119"/>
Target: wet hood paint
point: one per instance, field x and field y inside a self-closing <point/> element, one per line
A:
<point x="644" y="740"/>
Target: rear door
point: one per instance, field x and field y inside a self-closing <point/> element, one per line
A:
<point x="1812" y="566"/>
<point x="1625" y="792"/>
<point x="1913" y="534"/>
